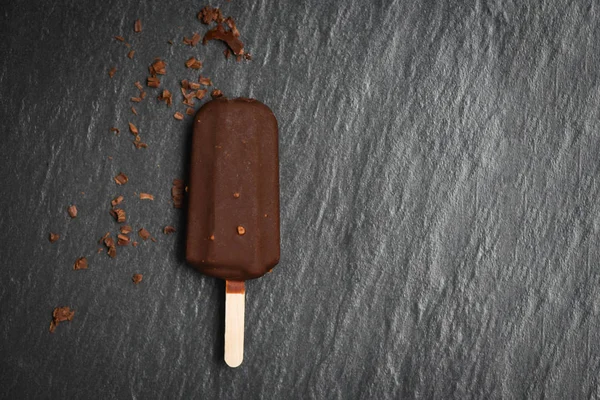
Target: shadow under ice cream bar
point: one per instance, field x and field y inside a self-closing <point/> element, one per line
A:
<point x="233" y="208"/>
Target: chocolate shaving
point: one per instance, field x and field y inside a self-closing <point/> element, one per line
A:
<point x="120" y="38"/>
<point x="216" y="93"/>
<point x="227" y="36"/>
<point x="118" y="214"/>
<point x="112" y="72"/>
<point x="130" y="54"/>
<point x="193" y="63"/>
<point x="143" y="95"/>
<point x="137" y="26"/>
<point x="126" y="229"/>
<point x="61" y="314"/>
<point x="231" y="24"/>
<point x="72" y="210"/>
<point x="146" y="196"/>
<point x="81" y="263"/>
<point x="209" y="14"/>
<point x="168" y="230"/>
<point x="166" y="96"/>
<point x="193" y="86"/>
<point x="136" y="99"/>
<point x="112" y="251"/>
<point x="144" y="234"/>
<point x="103" y="238"/>
<point x="178" y="116"/>
<point x="133" y="110"/>
<point x="53" y="237"/>
<point x="139" y="86"/>
<point x="121" y="179"/>
<point x="116" y="201"/>
<point x="116" y="130"/>
<point x="159" y="67"/>
<point x="137" y="278"/>
<point x="201" y="93"/>
<point x="190" y="111"/>
<point x="185" y="84"/>
<point x="123" y="240"/>
<point x="139" y="144"/>
<point x="153" y="82"/>
<point x="205" y="81"/>
<point x="177" y="193"/>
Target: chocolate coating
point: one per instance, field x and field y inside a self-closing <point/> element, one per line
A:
<point x="233" y="202"/>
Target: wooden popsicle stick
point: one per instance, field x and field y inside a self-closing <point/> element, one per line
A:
<point x="235" y="300"/>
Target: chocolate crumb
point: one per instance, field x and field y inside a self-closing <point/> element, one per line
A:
<point x="190" y="111"/>
<point x="61" y="314"/>
<point x="126" y="229"/>
<point x="121" y="179"/>
<point x="118" y="214"/>
<point x="209" y="14"/>
<point x="72" y="210"/>
<point x="146" y="196"/>
<point x="144" y="234"/>
<point x="216" y="93"/>
<point x="178" y="115"/>
<point x="112" y="72"/>
<point x="130" y="54"/>
<point x="248" y="57"/>
<point x="53" y="237"/>
<point x="137" y="26"/>
<point x="81" y="263"/>
<point x="116" y="201"/>
<point x="123" y="240"/>
<point x="241" y="230"/>
<point x="168" y="230"/>
<point x="227" y="36"/>
<point x="137" y="278"/>
<point x="205" y="81"/>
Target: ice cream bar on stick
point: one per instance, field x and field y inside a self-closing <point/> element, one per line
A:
<point x="233" y="203"/>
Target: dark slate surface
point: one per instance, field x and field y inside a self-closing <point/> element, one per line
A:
<point x="440" y="222"/>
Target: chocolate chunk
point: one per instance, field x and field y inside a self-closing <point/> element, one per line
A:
<point x="81" y="263"/>
<point x="121" y="179"/>
<point x="54" y="237"/>
<point x="137" y="278"/>
<point x="72" y="210"/>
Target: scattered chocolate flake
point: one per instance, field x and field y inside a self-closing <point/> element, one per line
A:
<point x="134" y="244"/>
<point x="193" y="86"/>
<point x="136" y="99"/>
<point x="241" y="230"/>
<point x="144" y="234"/>
<point x="137" y="26"/>
<point x="130" y="54"/>
<point x="122" y="179"/>
<point x="205" y="81"/>
<point x="103" y="238"/>
<point x="133" y="110"/>
<point x="187" y="41"/>
<point x="53" y="237"/>
<point x="185" y="84"/>
<point x="227" y="36"/>
<point x="116" y="130"/>
<point x="159" y="67"/>
<point x="120" y="38"/>
<point x="153" y="82"/>
<point x="112" y="251"/>
<point x="209" y="14"/>
<point x="123" y="240"/>
<point x="112" y="72"/>
<point x="146" y="196"/>
<point x="227" y="52"/>
<point x="61" y="314"/>
<point x="126" y="229"/>
<point x="81" y="263"/>
<point x="177" y="193"/>
<point x="168" y="230"/>
<point x="116" y="201"/>
<point x="137" y="278"/>
<point x="118" y="214"/>
<point x="193" y="63"/>
<point x="139" y="86"/>
<point x="190" y="111"/>
<point x="178" y="116"/>
<point x="143" y="95"/>
<point x="166" y="96"/>
<point x="195" y="39"/>
<point x="201" y="93"/>
<point x="72" y="210"/>
<point x="216" y="93"/>
<point x="139" y="144"/>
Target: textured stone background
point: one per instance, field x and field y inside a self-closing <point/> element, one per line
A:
<point x="440" y="226"/>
